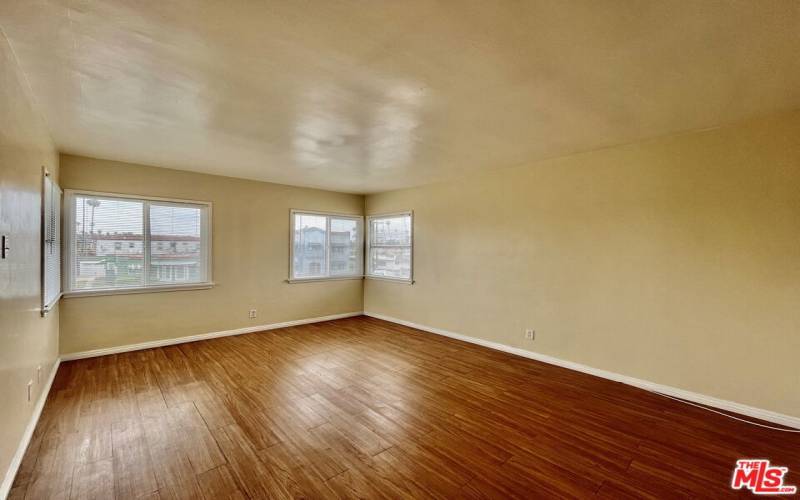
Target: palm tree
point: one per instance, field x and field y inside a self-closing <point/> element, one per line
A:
<point x="94" y="203"/>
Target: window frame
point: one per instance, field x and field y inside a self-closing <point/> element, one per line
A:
<point x="368" y="241"/>
<point x="69" y="254"/>
<point x="57" y="207"/>
<point x="359" y="218"/>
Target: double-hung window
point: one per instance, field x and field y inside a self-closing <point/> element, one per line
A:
<point x="325" y="246"/>
<point x="121" y="244"/>
<point x="390" y="246"/>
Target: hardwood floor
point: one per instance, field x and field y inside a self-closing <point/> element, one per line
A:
<point x="362" y="408"/>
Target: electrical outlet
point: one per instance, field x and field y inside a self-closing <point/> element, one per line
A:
<point x="530" y="334"/>
<point x="252" y="313"/>
<point x="30" y="390"/>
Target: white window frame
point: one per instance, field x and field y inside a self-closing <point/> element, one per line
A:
<point x="51" y="242"/>
<point x="368" y="239"/>
<point x="360" y="272"/>
<point x="69" y="230"/>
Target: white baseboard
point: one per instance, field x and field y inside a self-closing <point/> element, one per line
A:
<point x="11" y="473"/>
<point x="203" y="336"/>
<point x="742" y="409"/>
<point x="13" y="467"/>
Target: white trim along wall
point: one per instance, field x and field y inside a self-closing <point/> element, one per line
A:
<point x="11" y="473"/>
<point x="16" y="460"/>
<point x="202" y="336"/>
<point x="722" y="404"/>
<point x="703" y="399"/>
<point x="732" y="406"/>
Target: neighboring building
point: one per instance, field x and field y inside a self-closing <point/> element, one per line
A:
<point x="391" y="262"/>
<point x="118" y="259"/>
<point x="175" y="258"/>
<point x="309" y="252"/>
<point x="388" y="261"/>
<point x="343" y="258"/>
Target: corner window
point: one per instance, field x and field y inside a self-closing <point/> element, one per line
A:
<point x="390" y="246"/>
<point x="120" y="243"/>
<point x="325" y="246"/>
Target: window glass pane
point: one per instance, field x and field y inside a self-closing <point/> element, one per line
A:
<point x="391" y="230"/>
<point x="390" y="247"/>
<point x="108" y="243"/>
<point x="345" y="247"/>
<point x="390" y="262"/>
<point x="309" y="246"/>
<point x="176" y="254"/>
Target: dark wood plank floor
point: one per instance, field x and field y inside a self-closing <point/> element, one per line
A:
<point x="361" y="408"/>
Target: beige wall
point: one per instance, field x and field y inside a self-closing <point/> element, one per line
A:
<point x="250" y="260"/>
<point x="26" y="339"/>
<point x="675" y="260"/>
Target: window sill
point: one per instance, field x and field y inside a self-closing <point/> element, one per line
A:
<point x="395" y="280"/>
<point x="147" y="289"/>
<point x="332" y="278"/>
<point x="49" y="307"/>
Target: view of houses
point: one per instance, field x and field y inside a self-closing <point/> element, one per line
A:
<point x="114" y="260"/>
<point x="390" y="253"/>
<point x="390" y="247"/>
<point x="109" y="243"/>
<point x="309" y="252"/>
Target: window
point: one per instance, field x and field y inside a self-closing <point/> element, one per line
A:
<point x="390" y="246"/>
<point x="120" y="243"/>
<point x="51" y="243"/>
<point x="325" y="246"/>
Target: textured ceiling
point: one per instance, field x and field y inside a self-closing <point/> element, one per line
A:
<point x="366" y="96"/>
